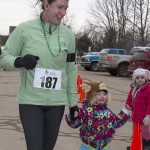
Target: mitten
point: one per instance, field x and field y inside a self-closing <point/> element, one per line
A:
<point x="28" y="61"/>
<point x="127" y="110"/>
<point x="146" y="120"/>
<point x="73" y="110"/>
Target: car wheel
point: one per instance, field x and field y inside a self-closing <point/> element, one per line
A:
<point x="122" y="70"/>
<point x="94" y="66"/>
<point x="87" y="68"/>
<point x="113" y="72"/>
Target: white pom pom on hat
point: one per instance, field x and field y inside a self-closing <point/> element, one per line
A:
<point x="141" y="72"/>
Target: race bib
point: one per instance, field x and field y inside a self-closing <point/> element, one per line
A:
<point x="47" y="79"/>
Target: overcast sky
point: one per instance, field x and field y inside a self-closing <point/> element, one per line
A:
<point x="13" y="12"/>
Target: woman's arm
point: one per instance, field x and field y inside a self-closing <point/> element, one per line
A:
<point x="12" y="48"/>
<point x="71" y="71"/>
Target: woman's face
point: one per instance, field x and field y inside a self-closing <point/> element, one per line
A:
<point x="56" y="11"/>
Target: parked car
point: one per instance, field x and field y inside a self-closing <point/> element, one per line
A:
<point x="90" y="61"/>
<point x="116" y="63"/>
<point x="117" y="51"/>
<point x="140" y="59"/>
<point x="134" y="49"/>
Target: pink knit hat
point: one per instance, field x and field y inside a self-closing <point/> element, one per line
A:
<point x="141" y="72"/>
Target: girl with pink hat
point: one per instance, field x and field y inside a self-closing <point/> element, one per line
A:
<point x="138" y="101"/>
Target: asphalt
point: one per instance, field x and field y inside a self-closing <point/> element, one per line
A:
<point x="11" y="132"/>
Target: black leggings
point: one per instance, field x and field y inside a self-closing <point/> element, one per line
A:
<point x="41" y="125"/>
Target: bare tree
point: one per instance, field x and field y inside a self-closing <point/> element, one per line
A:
<point x="140" y="21"/>
<point x="110" y="15"/>
<point x="96" y="36"/>
<point x="68" y="20"/>
<point x="123" y="16"/>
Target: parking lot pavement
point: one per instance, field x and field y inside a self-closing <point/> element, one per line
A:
<point x="11" y="133"/>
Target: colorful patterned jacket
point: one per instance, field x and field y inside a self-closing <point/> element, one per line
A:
<point x="97" y="124"/>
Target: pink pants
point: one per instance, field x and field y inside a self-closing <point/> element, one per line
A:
<point x="145" y="131"/>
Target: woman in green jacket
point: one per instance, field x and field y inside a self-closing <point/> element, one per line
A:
<point x="44" y="51"/>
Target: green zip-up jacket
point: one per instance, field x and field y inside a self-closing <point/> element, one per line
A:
<point x="28" y="38"/>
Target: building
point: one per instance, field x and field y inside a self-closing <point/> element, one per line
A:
<point x="11" y="29"/>
<point x="3" y="38"/>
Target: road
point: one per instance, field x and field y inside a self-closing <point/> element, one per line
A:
<point x="11" y="133"/>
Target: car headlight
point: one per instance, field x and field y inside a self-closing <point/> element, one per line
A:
<point x="87" y="59"/>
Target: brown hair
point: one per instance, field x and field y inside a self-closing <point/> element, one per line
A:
<point x="42" y="6"/>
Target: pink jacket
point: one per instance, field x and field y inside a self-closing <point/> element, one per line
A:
<point x="139" y="103"/>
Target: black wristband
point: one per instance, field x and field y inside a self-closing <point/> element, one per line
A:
<point x="71" y="57"/>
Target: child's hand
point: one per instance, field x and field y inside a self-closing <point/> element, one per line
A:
<point x="146" y="121"/>
<point x="128" y="107"/>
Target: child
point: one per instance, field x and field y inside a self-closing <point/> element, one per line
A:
<point x="96" y="121"/>
<point x="138" y="101"/>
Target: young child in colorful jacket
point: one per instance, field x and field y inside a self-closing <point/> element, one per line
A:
<point x="96" y="121"/>
<point x="138" y="101"/>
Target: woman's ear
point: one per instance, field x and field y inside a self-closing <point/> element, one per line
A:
<point x="45" y="3"/>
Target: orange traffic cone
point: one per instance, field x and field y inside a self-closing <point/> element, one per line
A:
<point x="79" y="83"/>
<point x="78" y="80"/>
<point x="136" y="143"/>
<point x="82" y="96"/>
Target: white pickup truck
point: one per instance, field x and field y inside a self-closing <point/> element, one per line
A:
<point x="114" y="63"/>
<point x="118" y="64"/>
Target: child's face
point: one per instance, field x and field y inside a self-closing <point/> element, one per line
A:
<point x="140" y="80"/>
<point x="100" y="98"/>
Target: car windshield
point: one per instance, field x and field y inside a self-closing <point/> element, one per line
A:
<point x="104" y="51"/>
<point x="92" y="53"/>
<point x="148" y="49"/>
<point x="139" y="55"/>
<point x="134" y="49"/>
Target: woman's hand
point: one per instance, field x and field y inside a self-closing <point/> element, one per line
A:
<point x="74" y="112"/>
<point x="28" y="61"/>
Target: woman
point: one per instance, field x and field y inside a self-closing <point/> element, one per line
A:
<point x="44" y="50"/>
